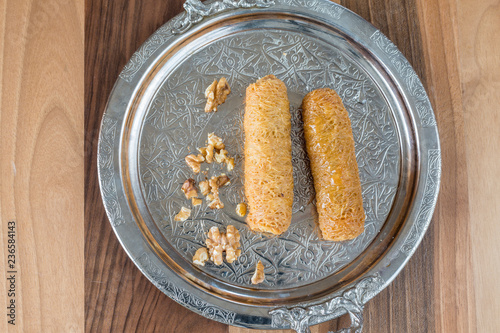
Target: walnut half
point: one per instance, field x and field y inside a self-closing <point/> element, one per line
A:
<point x="216" y="94"/>
<point x="218" y="243"/>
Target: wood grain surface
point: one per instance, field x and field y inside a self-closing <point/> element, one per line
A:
<point x="479" y="53"/>
<point x="449" y="284"/>
<point x="118" y="298"/>
<point x="41" y="149"/>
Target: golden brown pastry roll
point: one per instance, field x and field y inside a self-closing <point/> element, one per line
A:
<point x="330" y="146"/>
<point x="268" y="156"/>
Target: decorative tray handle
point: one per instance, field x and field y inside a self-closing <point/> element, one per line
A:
<point x="352" y="301"/>
<point x="197" y="10"/>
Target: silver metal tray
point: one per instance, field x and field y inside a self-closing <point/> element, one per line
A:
<point x="155" y="118"/>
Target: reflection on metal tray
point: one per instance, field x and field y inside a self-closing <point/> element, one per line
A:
<point x="155" y="118"/>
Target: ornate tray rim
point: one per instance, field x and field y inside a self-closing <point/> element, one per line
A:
<point x="353" y="296"/>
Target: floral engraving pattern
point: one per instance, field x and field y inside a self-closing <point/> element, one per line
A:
<point x="196" y="11"/>
<point x="352" y="301"/>
<point x="298" y="256"/>
<point x="153" y="43"/>
<point x="325" y="7"/>
<point x="415" y="87"/>
<point x="106" y="171"/>
<point x="428" y="202"/>
<point x="181" y="296"/>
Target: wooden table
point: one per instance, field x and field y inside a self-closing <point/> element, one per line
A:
<point x="442" y="288"/>
<point x="449" y="285"/>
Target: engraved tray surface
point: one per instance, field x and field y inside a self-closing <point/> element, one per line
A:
<point x="155" y="118"/>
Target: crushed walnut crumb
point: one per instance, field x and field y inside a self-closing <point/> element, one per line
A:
<point x="204" y="187"/>
<point x="201" y="256"/>
<point x="214" y="184"/>
<point x="230" y="163"/>
<point x="221" y="156"/>
<point x="215" y="150"/>
<point x="189" y="188"/>
<point x="258" y="276"/>
<point x="215" y="141"/>
<point x="194" y="162"/>
<point x="183" y="215"/>
<point x="196" y="201"/>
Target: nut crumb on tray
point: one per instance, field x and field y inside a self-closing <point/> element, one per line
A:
<point x="200" y="256"/>
<point x="230" y="163"/>
<point x="204" y="187"/>
<point x="258" y="276"/>
<point x="221" y="156"/>
<point x="214" y="184"/>
<point x="189" y="188"/>
<point x="233" y="244"/>
<point x="214" y="151"/>
<point x="214" y="245"/>
<point x="215" y="141"/>
<point x="196" y="201"/>
<point x="183" y="215"/>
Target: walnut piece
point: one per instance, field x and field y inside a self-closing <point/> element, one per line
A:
<point x="200" y="256"/>
<point x="258" y="276"/>
<point x="214" y="234"/>
<point x="189" y="188"/>
<point x="214" y="184"/>
<point x="183" y="215"/>
<point x="215" y="248"/>
<point x="222" y="180"/>
<point x="196" y="201"/>
<point x="216" y="94"/>
<point x="216" y="203"/>
<point x="215" y="141"/>
<point x="228" y="242"/>
<point x="233" y="236"/>
<point x="203" y="151"/>
<point x="204" y="187"/>
<point x="230" y="163"/>
<point x="215" y="150"/>
<point x="210" y="154"/>
<point x="210" y="96"/>
<point x="241" y="209"/>
<point x="221" y="156"/>
<point x="222" y="91"/>
<point x="194" y="162"/>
